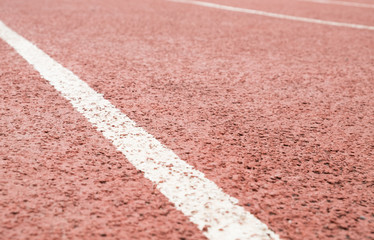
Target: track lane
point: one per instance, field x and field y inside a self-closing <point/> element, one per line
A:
<point x="336" y="13"/>
<point x="275" y="15"/>
<point x="234" y="126"/>
<point x="342" y="3"/>
<point x="60" y="179"/>
<point x="194" y="195"/>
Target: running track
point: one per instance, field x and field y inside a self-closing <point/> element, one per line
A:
<point x="278" y="113"/>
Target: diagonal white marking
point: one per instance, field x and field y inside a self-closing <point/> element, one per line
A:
<point x="197" y="197"/>
<point x="274" y="15"/>
<point x="342" y="3"/>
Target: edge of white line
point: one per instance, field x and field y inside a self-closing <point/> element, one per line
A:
<point x="274" y="15"/>
<point x="341" y="3"/>
<point x="200" y="199"/>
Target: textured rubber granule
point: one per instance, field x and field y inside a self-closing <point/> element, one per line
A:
<point x="328" y="12"/>
<point x="280" y="114"/>
<point x="60" y="179"/>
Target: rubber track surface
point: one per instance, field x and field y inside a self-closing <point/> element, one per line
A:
<point x="279" y="114"/>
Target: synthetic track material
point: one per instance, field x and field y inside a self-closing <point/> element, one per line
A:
<point x="342" y="3"/>
<point x="325" y="12"/>
<point x="61" y="179"/>
<point x="278" y="113"/>
<point x="197" y="197"/>
<point x="275" y="15"/>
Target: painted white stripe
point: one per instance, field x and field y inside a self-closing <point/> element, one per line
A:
<point x="274" y="15"/>
<point x="342" y="3"/>
<point x="197" y="197"/>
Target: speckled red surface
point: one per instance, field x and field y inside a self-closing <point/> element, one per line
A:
<point x="329" y="12"/>
<point x="280" y="114"/>
<point x="60" y="179"/>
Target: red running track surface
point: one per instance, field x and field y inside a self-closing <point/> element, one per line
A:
<point x="279" y="114"/>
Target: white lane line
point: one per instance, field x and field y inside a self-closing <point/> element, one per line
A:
<point x="197" y="197"/>
<point x="274" y="15"/>
<point x="342" y="3"/>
